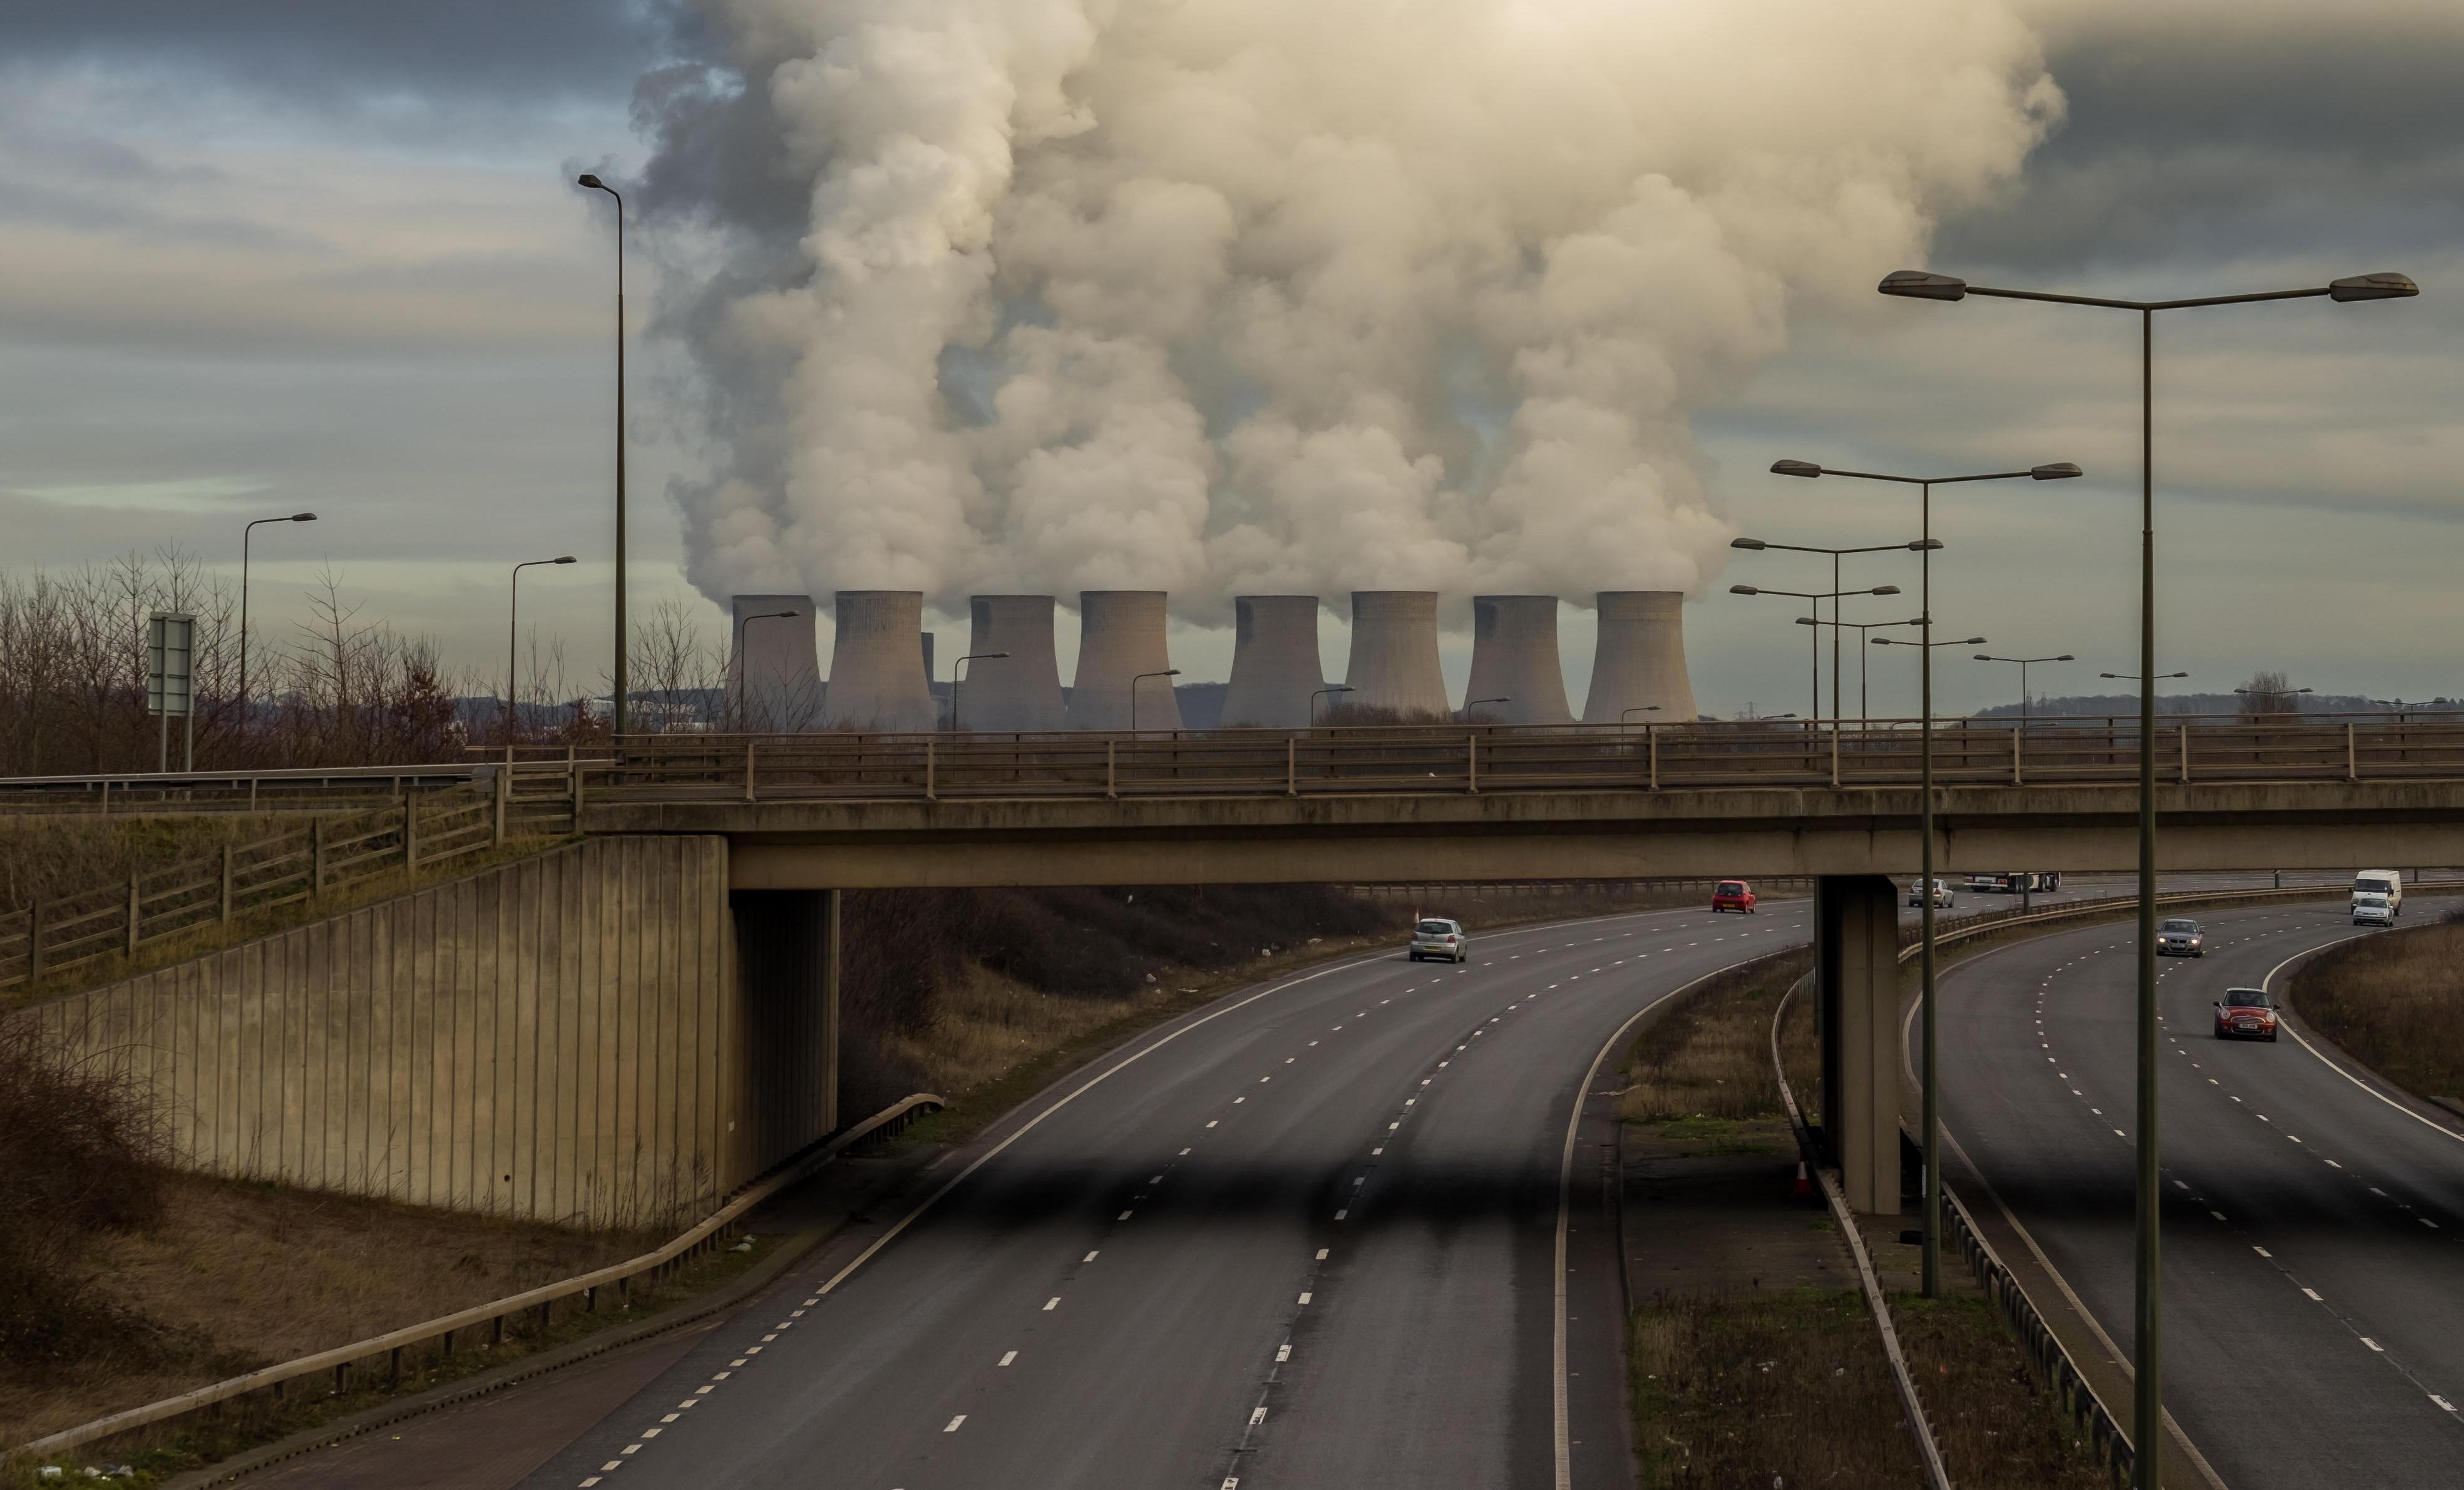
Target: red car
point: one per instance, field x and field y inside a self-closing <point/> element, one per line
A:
<point x="1732" y="895"/>
<point x="2246" y="1014"/>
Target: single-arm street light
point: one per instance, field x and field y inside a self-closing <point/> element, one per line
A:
<point x="1168" y="672"/>
<point x="1817" y="597"/>
<point x="1339" y="688"/>
<point x="513" y="634"/>
<point x="1931" y="1271"/>
<point x="2024" y="664"/>
<point x="745" y="662"/>
<point x="1623" y="714"/>
<point x="2147" y="1382"/>
<point x="1471" y="704"/>
<point x="624" y="634"/>
<point x="245" y="533"/>
<point x="954" y="682"/>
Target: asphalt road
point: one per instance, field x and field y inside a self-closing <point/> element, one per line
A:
<point x="2314" y="1220"/>
<point x="1306" y="1236"/>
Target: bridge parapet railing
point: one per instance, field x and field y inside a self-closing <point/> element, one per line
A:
<point x="1488" y="757"/>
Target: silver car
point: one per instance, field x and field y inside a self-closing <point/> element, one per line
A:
<point x="2180" y="937"/>
<point x="1437" y="938"/>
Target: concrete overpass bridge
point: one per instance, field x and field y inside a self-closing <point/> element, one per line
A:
<point x="724" y="857"/>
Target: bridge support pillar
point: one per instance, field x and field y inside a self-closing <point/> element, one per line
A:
<point x="1857" y="944"/>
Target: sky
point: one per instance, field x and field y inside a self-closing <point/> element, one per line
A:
<point x="274" y="257"/>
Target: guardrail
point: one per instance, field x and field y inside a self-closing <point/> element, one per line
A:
<point x="522" y="1313"/>
<point x="52" y="937"/>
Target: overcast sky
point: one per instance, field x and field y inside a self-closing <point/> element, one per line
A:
<point x="262" y="257"/>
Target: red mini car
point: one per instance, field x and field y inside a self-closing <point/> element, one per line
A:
<point x="2246" y="1014"/>
<point x="1732" y="895"/>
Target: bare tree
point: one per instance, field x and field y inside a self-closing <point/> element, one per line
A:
<point x="2268" y="695"/>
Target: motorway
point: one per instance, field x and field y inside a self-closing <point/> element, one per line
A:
<point x="1304" y="1237"/>
<point x="2314" y="1220"/>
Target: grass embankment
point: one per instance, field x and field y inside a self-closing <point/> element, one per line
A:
<point x="2395" y="1001"/>
<point x="1746" y="1386"/>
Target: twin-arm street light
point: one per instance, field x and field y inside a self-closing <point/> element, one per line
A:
<point x="2142" y="677"/>
<point x="624" y="633"/>
<point x="1758" y="545"/>
<point x="2146" y="1343"/>
<point x="1932" y="1269"/>
<point x="1864" y="714"/>
<point x="2024" y="664"/>
<point x="513" y="634"/>
<point x="1168" y="672"/>
<point x="245" y="533"/>
<point x="1817" y="597"/>
<point x="954" y="682"/>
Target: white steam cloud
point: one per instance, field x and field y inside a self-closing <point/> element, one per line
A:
<point x="1252" y="295"/>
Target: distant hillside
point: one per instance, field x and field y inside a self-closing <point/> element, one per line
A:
<point x="2111" y="705"/>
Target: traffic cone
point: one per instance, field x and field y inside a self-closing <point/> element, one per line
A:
<point x="1804" y="1185"/>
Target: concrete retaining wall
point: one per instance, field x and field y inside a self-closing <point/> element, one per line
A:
<point x="564" y="1038"/>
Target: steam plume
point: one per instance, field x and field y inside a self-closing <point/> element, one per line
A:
<point x="1279" y="295"/>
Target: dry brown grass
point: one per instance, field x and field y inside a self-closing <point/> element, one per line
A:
<point x="1709" y="1055"/>
<point x="1996" y="1430"/>
<point x="42" y="857"/>
<point x="1765" y="1389"/>
<point x="2396" y="1002"/>
<point x="236" y="1275"/>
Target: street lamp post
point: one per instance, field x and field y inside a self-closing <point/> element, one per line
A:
<point x="1931" y="1271"/>
<point x="1623" y="714"/>
<point x="624" y="633"/>
<point x="1864" y="714"/>
<point x="1321" y="694"/>
<point x="954" y="682"/>
<point x="1168" y="672"/>
<point x="1759" y="545"/>
<point x="1817" y="597"/>
<point x="245" y="533"/>
<point x="513" y="634"/>
<point x="2147" y="1321"/>
<point x="2024" y="664"/>
<point x="1471" y="704"/>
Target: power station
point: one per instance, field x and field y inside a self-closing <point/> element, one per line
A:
<point x="881" y="680"/>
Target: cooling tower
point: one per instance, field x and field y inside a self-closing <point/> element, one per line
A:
<point x="1275" y="666"/>
<point x="1120" y="635"/>
<point x="876" y="669"/>
<point x="1641" y="659"/>
<point x="1019" y="691"/>
<point x="1514" y="657"/>
<point x="773" y="680"/>
<point x="1395" y="653"/>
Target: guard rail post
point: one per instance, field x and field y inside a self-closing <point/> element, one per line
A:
<point x="34" y="942"/>
<point x="317" y="850"/>
<point x="1291" y="765"/>
<point x="1651" y="748"/>
<point x="504" y="790"/>
<point x="1471" y="763"/>
<point x="928" y="772"/>
<point x="410" y="832"/>
<point x="227" y="882"/>
<point x="132" y="913"/>
<point x="2015" y="759"/>
<point x="748" y="770"/>
<point x="2352" y="755"/>
<point x="1111" y="769"/>
<point x="2185" y="731"/>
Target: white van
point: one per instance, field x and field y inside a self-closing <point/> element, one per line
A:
<point x="2382" y="884"/>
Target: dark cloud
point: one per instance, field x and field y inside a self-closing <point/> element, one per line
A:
<point x="2270" y="139"/>
<point x="349" y="49"/>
